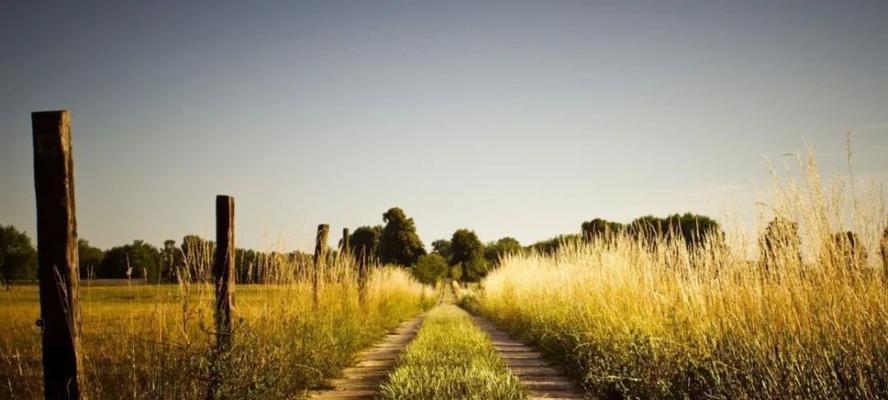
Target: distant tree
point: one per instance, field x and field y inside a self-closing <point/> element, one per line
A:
<point x="780" y="244"/>
<point x="475" y="269"/>
<point x="115" y="265"/>
<point x="138" y="260"/>
<point x="551" y="246"/>
<point x="646" y="229"/>
<point x="495" y="251"/>
<point x="846" y="251"/>
<point x="468" y="252"/>
<point x="465" y="246"/>
<point x="197" y="258"/>
<point x="247" y="265"/>
<point x="694" y="230"/>
<point x="364" y="242"/>
<point x="399" y="243"/>
<point x="442" y="247"/>
<point x="172" y="260"/>
<point x="18" y="258"/>
<point x="90" y="258"/>
<point x="598" y="227"/>
<point x="430" y="268"/>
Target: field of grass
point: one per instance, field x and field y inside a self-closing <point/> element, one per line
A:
<point x="451" y="359"/>
<point x="641" y="320"/>
<point x="155" y="341"/>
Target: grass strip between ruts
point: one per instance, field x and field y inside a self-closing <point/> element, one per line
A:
<point x="451" y="359"/>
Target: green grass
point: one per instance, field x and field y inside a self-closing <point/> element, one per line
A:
<point x="155" y="341"/>
<point x="451" y="359"/>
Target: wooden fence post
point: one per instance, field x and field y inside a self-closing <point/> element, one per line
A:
<point x="223" y="270"/>
<point x="320" y="256"/>
<point x="362" y="280"/>
<point x="346" y="242"/>
<point x="224" y="280"/>
<point x="362" y="275"/>
<point x="57" y="254"/>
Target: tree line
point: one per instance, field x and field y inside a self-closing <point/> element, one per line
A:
<point x="189" y="260"/>
<point x="462" y="257"/>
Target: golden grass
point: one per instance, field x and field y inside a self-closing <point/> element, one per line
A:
<point x="666" y="321"/>
<point x="155" y="341"/>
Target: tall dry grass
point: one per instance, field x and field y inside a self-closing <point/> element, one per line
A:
<point x="156" y="341"/>
<point x="804" y="315"/>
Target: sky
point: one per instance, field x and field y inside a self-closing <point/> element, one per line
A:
<point x="510" y="118"/>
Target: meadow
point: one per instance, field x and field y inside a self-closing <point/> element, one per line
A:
<point x="797" y="309"/>
<point x="802" y="315"/>
<point x="156" y="341"/>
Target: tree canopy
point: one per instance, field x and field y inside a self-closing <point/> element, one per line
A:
<point x="364" y="242"/>
<point x="495" y="251"/>
<point x="90" y="258"/>
<point x="399" y="243"/>
<point x="780" y="243"/>
<point x="138" y="260"/>
<point x="18" y="258"/>
<point x="442" y="247"/>
<point x="431" y="268"/>
<point x="552" y="245"/>
<point x="694" y="229"/>
<point x="468" y="252"/>
<point x="598" y="228"/>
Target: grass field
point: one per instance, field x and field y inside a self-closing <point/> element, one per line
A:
<point x="451" y="359"/>
<point x="154" y="341"/>
<point x="635" y="320"/>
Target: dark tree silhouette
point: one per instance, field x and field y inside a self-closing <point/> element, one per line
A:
<point x="468" y="252"/>
<point x="442" y="247"/>
<point x="694" y="230"/>
<point x="495" y="251"/>
<point x="399" y="243"/>
<point x="138" y="260"/>
<point x="171" y="259"/>
<point x="551" y="246"/>
<point x="430" y="268"/>
<point x="780" y="243"/>
<point x="846" y="251"/>
<point x="364" y="242"/>
<point x="197" y="258"/>
<point x="90" y="258"/>
<point x="598" y="228"/>
<point x="18" y="258"/>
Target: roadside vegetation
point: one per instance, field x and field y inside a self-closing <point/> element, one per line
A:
<point x="451" y="359"/>
<point x="155" y="341"/>
<point x="801" y="311"/>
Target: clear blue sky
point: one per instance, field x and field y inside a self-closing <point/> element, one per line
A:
<point x="509" y="118"/>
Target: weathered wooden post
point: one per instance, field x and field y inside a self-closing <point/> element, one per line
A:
<point x="224" y="280"/>
<point x="223" y="270"/>
<point x="362" y="280"/>
<point x="57" y="254"/>
<point x="883" y="250"/>
<point x="346" y="245"/>
<point x="320" y="256"/>
<point x="362" y="274"/>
